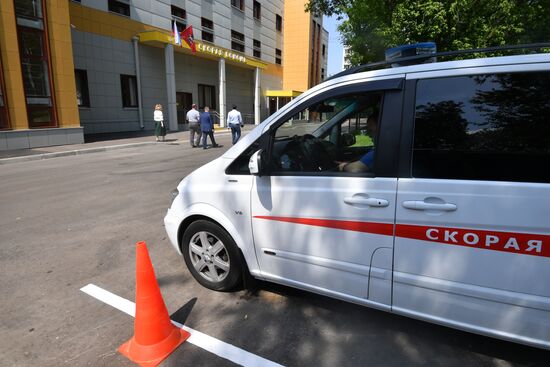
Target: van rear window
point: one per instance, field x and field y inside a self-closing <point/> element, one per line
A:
<point x="484" y="127"/>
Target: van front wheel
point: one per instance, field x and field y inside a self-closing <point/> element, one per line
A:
<point x="211" y="256"/>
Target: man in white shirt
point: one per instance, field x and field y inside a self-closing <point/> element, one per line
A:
<point x="193" y="117"/>
<point x="235" y="122"/>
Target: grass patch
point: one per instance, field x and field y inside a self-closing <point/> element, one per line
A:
<point x="362" y="141"/>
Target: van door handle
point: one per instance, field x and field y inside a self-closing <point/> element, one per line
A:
<point x="422" y="205"/>
<point x="366" y="201"/>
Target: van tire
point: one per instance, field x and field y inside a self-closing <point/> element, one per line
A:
<point x="212" y="256"/>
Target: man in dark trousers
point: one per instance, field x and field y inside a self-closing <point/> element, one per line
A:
<point x="207" y="128"/>
<point x="235" y="122"/>
<point x="193" y="118"/>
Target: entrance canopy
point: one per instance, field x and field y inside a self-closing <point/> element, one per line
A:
<point x="206" y="50"/>
<point x="282" y="93"/>
<point x="278" y="98"/>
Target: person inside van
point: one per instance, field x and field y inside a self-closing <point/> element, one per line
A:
<point x="366" y="163"/>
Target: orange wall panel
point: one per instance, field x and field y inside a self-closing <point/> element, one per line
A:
<point x="296" y="50"/>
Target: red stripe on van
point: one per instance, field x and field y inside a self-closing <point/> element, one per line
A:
<point x="518" y="243"/>
<point x="367" y="227"/>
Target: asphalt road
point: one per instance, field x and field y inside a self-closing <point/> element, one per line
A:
<point x="69" y="221"/>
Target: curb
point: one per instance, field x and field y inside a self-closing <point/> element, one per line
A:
<point x="37" y="157"/>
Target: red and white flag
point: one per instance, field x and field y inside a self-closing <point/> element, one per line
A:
<point x="187" y="36"/>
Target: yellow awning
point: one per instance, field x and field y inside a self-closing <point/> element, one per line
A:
<point x="282" y="93"/>
<point x="206" y="50"/>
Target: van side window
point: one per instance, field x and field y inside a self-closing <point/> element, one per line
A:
<point x="485" y="127"/>
<point x="319" y="138"/>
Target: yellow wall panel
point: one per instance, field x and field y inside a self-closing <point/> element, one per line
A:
<point x="62" y="65"/>
<point x="69" y="116"/>
<point x="13" y="80"/>
<point x="10" y="42"/>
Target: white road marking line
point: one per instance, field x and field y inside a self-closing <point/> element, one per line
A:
<point x="111" y="299"/>
<point x="197" y="338"/>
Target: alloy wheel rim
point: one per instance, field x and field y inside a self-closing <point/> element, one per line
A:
<point x="209" y="256"/>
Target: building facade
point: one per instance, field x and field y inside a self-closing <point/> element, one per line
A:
<point x="104" y="64"/>
<point x="305" y="54"/>
<point x="37" y="84"/>
<point x="346" y="64"/>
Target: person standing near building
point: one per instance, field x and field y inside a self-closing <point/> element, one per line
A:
<point x="160" y="128"/>
<point x="193" y="117"/>
<point x="235" y="122"/>
<point x="207" y="128"/>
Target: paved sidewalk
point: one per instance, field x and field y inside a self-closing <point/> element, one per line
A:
<point x="97" y="143"/>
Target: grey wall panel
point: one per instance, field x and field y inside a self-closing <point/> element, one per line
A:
<point x="194" y="8"/>
<point x="143" y="5"/>
<point x="240" y="83"/>
<point x="237" y="20"/>
<point x="105" y="60"/>
<point x="143" y="16"/>
<point x="153" y="81"/>
<point x="161" y="22"/>
<point x="179" y="3"/>
<point x="96" y="4"/>
<point x="206" y="9"/>
<point x="192" y="71"/>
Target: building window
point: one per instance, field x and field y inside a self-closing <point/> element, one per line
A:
<point x="82" y="94"/>
<point x="278" y="23"/>
<point x="239" y="4"/>
<point x="322" y="74"/>
<point x="278" y="56"/>
<point x="179" y="17"/>
<point x="257" y="10"/>
<point x="4" y="121"/>
<point x="257" y="49"/>
<point x="128" y="85"/>
<point x="207" y="96"/>
<point x="35" y="63"/>
<point x="29" y="10"/>
<point x="324" y="50"/>
<point x="207" y="30"/>
<point x="237" y="41"/>
<point x="120" y="7"/>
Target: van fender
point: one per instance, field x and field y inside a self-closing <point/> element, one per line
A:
<point x="212" y="213"/>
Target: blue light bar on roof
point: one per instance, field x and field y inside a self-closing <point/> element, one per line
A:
<point x="399" y="52"/>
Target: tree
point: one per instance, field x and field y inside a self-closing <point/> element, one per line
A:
<point x="372" y="26"/>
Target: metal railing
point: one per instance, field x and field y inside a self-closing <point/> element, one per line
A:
<point x="248" y="118"/>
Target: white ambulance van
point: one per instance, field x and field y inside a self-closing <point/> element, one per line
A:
<point x="422" y="190"/>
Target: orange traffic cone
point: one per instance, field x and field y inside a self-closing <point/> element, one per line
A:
<point x="155" y="337"/>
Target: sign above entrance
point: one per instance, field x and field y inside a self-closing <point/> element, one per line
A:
<point x="160" y="39"/>
<point x="226" y="54"/>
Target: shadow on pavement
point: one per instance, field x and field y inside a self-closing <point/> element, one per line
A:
<point x="184" y="311"/>
<point x="91" y="138"/>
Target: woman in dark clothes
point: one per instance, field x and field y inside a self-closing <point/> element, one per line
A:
<point x="160" y="129"/>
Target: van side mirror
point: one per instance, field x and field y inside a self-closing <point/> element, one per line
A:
<point x="255" y="163"/>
